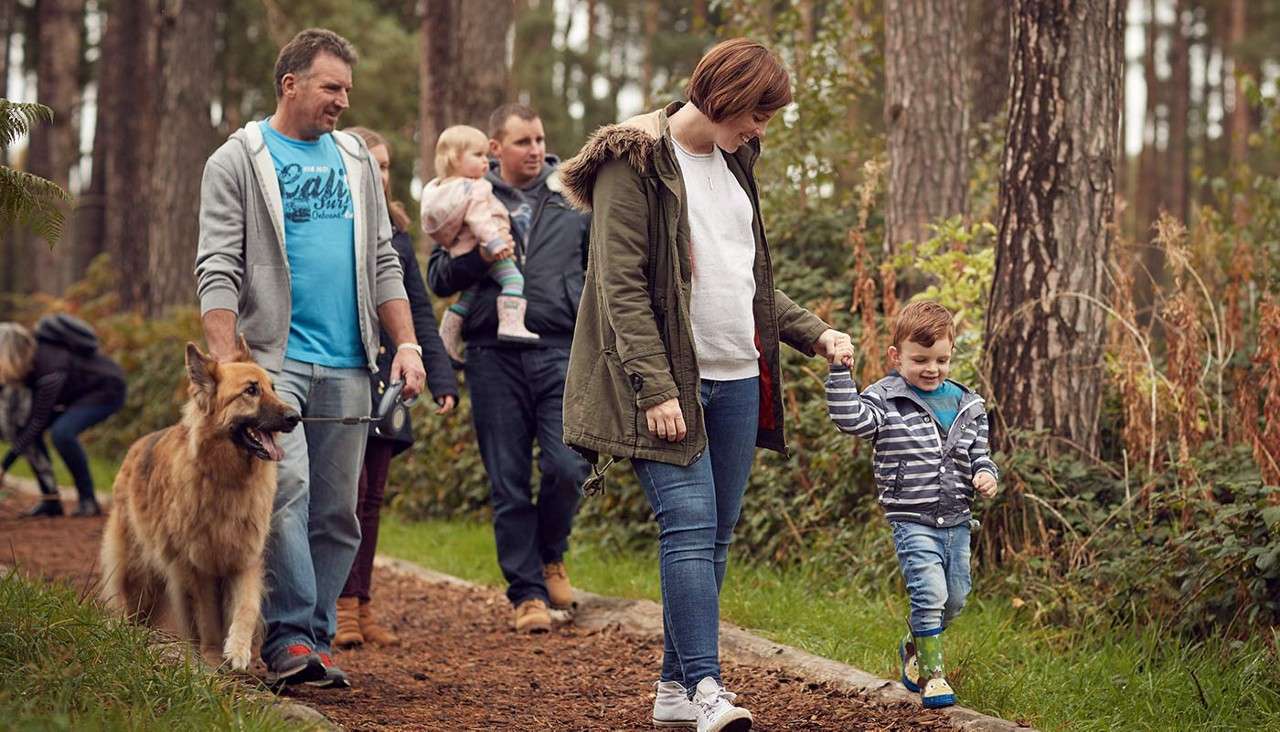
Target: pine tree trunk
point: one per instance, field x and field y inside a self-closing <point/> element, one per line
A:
<point x="463" y="67"/>
<point x="1045" y="326"/>
<point x="184" y="140"/>
<point x="1177" y="200"/>
<point x="1149" y="186"/>
<point x="990" y="58"/>
<point x="130" y="38"/>
<point x="926" y="112"/>
<point x="54" y="149"/>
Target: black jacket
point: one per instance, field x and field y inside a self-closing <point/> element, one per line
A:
<point x="60" y="379"/>
<point x="440" y="379"/>
<point x="553" y="258"/>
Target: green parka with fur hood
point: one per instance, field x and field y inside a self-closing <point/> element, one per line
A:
<point x="633" y="344"/>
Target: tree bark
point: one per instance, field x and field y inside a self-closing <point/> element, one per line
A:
<point x="990" y="59"/>
<point x="1045" y="325"/>
<point x="54" y="148"/>
<point x="129" y="43"/>
<point x="464" y="66"/>
<point x="184" y="140"/>
<point x="926" y="112"/>
<point x="1177" y="146"/>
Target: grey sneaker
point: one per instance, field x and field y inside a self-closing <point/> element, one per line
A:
<point x="715" y="709"/>
<point x="672" y="708"/>
<point x="293" y="664"/>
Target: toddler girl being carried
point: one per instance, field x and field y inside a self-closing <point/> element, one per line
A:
<point x="459" y="213"/>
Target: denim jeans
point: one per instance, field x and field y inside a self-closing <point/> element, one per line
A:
<point x="697" y="507"/>
<point x="64" y="433"/>
<point x="314" y="531"/>
<point x="935" y="566"/>
<point x="517" y="395"/>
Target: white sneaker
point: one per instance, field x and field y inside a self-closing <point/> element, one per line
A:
<point x="715" y="709"/>
<point x="672" y="708"/>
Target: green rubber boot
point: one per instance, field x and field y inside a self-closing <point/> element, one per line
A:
<point x="935" y="691"/>
<point x="910" y="667"/>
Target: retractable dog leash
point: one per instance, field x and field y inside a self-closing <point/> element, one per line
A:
<point x="389" y="418"/>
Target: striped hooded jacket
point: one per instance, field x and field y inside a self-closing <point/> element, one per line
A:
<point x="921" y="474"/>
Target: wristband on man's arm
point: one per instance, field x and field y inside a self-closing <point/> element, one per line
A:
<point x="411" y="346"/>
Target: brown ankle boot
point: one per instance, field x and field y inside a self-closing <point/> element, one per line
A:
<point x="532" y="617"/>
<point x="348" y="623"/>
<point x="559" y="591"/>
<point x="373" y="631"/>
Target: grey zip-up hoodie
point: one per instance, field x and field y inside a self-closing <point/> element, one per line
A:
<point x="921" y="474"/>
<point x="241" y="263"/>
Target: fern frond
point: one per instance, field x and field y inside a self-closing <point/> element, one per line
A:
<point x="17" y="119"/>
<point x="33" y="202"/>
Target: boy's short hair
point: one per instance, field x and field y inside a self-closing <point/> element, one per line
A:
<point x="738" y="76"/>
<point x="298" y="54"/>
<point x="498" y="120"/>
<point x="452" y="143"/>
<point x="924" y="322"/>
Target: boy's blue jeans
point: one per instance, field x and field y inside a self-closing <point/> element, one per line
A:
<point x="697" y="507"/>
<point x="314" y="531"/>
<point x="935" y="565"/>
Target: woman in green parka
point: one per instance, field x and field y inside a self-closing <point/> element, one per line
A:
<point x="675" y="354"/>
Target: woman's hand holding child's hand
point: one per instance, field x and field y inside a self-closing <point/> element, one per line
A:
<point x="834" y="346"/>
<point x="985" y="484"/>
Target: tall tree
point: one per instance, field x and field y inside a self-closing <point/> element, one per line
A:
<point x="1176" y="198"/>
<point x="927" y="113"/>
<point x="54" y="149"/>
<point x="1045" y="325"/>
<point x="129" y="43"/>
<point x="184" y="139"/>
<point x="989" y="24"/>
<point x="464" y="65"/>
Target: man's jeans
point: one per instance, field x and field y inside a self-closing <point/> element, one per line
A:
<point x="517" y="394"/>
<point x="314" y="532"/>
<point x="935" y="565"/>
<point x="697" y="507"/>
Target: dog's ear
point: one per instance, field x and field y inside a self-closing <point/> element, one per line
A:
<point x="200" y="372"/>
<point x="242" y="350"/>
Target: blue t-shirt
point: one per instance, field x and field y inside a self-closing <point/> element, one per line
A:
<point x="944" y="402"/>
<point x="319" y="240"/>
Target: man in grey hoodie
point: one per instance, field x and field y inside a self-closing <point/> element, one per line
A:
<point x="295" y="253"/>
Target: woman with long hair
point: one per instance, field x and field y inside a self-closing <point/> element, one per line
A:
<point x="357" y="622"/>
<point x="675" y="360"/>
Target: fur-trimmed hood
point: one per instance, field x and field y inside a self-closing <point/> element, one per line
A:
<point x="634" y="141"/>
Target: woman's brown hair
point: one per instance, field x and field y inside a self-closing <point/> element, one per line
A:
<point x="399" y="216"/>
<point x="739" y="76"/>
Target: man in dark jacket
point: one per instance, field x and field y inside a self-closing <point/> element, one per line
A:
<point x="517" y="390"/>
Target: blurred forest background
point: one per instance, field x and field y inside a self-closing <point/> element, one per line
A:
<point x="1096" y="193"/>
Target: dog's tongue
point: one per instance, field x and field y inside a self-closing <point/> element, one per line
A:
<point x="272" y="447"/>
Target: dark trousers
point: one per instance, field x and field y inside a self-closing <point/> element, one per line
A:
<point x="516" y="396"/>
<point x="64" y="433"/>
<point x="370" y="488"/>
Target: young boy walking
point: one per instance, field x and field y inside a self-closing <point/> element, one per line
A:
<point x="929" y="436"/>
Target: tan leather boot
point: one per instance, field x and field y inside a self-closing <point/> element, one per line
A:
<point x="559" y="591"/>
<point x="348" y="634"/>
<point x="372" y="630"/>
<point x="532" y="616"/>
<point x="511" y="309"/>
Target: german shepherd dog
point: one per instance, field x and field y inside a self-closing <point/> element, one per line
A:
<point x="183" y="546"/>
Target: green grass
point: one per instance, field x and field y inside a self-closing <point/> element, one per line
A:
<point x="103" y="471"/>
<point x="64" y="665"/>
<point x="999" y="661"/>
